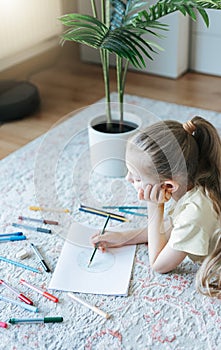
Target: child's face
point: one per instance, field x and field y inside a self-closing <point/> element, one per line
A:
<point x="140" y="172"/>
<point x="140" y="180"/>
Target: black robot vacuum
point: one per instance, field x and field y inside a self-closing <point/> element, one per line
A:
<point x="18" y="99"/>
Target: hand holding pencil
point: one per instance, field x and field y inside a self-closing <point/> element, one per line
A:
<point x="116" y="239"/>
<point x="109" y="239"/>
<point x="96" y="247"/>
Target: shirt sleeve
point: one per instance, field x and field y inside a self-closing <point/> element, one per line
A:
<point x="188" y="233"/>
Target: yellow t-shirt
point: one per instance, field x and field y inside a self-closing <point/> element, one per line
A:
<point x="194" y="223"/>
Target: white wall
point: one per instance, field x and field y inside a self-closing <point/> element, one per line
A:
<point x="69" y="6"/>
<point x="206" y="45"/>
<point x="173" y="60"/>
<point x="27" y="28"/>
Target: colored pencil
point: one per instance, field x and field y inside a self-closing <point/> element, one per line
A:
<point x="124" y="207"/>
<point x="57" y="210"/>
<point x="19" y="264"/>
<point x="32" y="228"/>
<point x="131" y="212"/>
<point x="95" y="249"/>
<point x="43" y="221"/>
<point x="102" y="213"/>
<point x="91" y="307"/>
<point x="19" y="303"/>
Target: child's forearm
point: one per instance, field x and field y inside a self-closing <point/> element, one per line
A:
<point x="156" y="235"/>
<point x="136" y="236"/>
<point x="113" y="239"/>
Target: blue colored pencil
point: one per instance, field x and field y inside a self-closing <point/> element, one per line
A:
<point x="11" y="234"/>
<point x="19" y="264"/>
<point x="12" y="238"/>
<point x="19" y="303"/>
<point x="32" y="228"/>
<point x="124" y="207"/>
<point x="132" y="212"/>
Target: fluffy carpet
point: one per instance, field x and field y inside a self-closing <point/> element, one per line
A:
<point x="160" y="311"/>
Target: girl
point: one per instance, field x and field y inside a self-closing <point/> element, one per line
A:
<point x="171" y="162"/>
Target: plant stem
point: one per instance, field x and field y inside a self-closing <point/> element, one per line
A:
<point x="94" y="10"/>
<point x="121" y="80"/>
<point x="125" y="74"/>
<point x="119" y="67"/>
<point x="107" y="14"/>
<point x="104" y="55"/>
<point x="105" y="65"/>
<point x="105" y="18"/>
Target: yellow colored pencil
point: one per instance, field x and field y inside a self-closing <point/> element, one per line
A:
<point x="57" y="210"/>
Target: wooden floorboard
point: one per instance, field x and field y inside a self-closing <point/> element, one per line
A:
<point x="66" y="88"/>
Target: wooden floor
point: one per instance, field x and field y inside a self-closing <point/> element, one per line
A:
<point x="66" y="88"/>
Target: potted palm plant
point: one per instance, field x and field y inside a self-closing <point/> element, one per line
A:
<point x="125" y="29"/>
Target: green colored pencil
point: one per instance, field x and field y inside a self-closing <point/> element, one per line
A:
<point x="95" y="249"/>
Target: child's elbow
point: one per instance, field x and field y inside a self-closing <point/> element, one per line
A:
<point x="159" y="268"/>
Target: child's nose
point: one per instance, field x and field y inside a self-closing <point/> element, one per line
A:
<point x="129" y="177"/>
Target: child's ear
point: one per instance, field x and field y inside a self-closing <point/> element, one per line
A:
<point x="171" y="186"/>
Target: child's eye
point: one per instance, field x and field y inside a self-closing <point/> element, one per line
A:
<point x="137" y="180"/>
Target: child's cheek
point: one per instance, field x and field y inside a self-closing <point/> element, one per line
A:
<point x="140" y="194"/>
<point x="138" y="185"/>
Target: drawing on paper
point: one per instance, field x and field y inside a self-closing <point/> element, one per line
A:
<point x="101" y="262"/>
<point x="72" y="272"/>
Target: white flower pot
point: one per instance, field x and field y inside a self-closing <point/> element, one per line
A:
<point x="107" y="150"/>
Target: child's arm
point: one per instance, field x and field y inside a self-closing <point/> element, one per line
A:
<point x="162" y="257"/>
<point x="118" y="239"/>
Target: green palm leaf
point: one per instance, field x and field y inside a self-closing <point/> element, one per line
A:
<point x="127" y="45"/>
<point x="83" y="29"/>
<point x="130" y="17"/>
<point x="123" y="41"/>
<point x="186" y="7"/>
<point x="123" y="13"/>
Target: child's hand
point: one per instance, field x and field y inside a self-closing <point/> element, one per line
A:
<point x="155" y="193"/>
<point x="108" y="239"/>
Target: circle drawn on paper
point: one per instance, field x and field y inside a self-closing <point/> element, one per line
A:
<point x="101" y="261"/>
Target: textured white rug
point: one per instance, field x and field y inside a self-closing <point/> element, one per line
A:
<point x="160" y="312"/>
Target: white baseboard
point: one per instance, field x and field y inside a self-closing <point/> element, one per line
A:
<point x="8" y="62"/>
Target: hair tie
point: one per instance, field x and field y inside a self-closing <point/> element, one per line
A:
<point x="189" y="127"/>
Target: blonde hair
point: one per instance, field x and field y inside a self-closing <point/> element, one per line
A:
<point x="208" y="277"/>
<point x="196" y="157"/>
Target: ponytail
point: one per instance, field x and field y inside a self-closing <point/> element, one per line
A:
<point x="209" y="165"/>
<point x="208" y="278"/>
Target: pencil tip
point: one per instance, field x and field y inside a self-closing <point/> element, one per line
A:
<point x="89" y="264"/>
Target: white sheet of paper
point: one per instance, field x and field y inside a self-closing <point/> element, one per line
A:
<point x="109" y="272"/>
